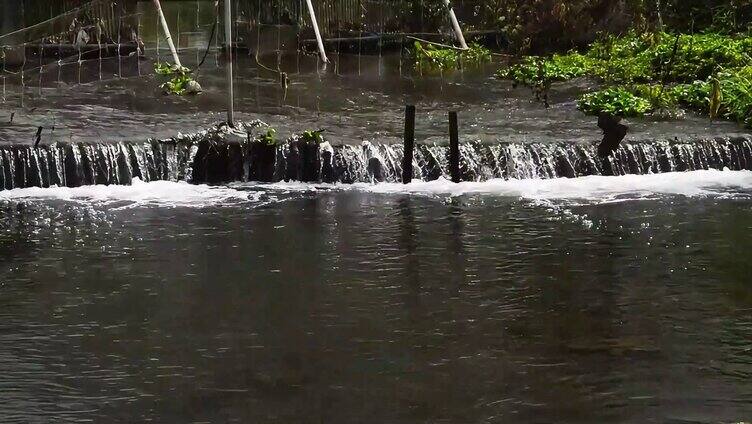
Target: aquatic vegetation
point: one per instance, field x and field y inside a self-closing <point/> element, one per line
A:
<point x="640" y="58"/>
<point x="657" y="69"/>
<point x="658" y="96"/>
<point x="181" y="81"/>
<point x="476" y="54"/>
<point x="735" y="92"/>
<point x="668" y="57"/>
<point x="177" y="85"/>
<point x="313" y="136"/>
<point x="269" y="137"/>
<point x="433" y="57"/>
<point x="535" y="70"/>
<point x="695" y="95"/>
<point x="615" y="101"/>
<point x="164" y="68"/>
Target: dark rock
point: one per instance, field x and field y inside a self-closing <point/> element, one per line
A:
<point x="293" y="171"/>
<point x="429" y="167"/>
<point x="124" y="173"/>
<point x="217" y="162"/>
<point x="376" y="169"/>
<point x="19" y="166"/>
<point x="327" y="169"/>
<point x="73" y="175"/>
<point x="263" y="161"/>
<point x="613" y="134"/>
<point x="310" y="161"/>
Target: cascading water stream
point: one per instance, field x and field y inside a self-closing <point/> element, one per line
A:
<point x="220" y="155"/>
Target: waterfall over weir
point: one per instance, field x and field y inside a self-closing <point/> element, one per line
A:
<point x="222" y="155"/>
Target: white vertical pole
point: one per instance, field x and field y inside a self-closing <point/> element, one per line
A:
<point x="228" y="42"/>
<point x="315" y="24"/>
<point x="456" y="25"/>
<point x="166" y="30"/>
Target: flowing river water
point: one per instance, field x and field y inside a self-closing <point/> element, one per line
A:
<point x="518" y="296"/>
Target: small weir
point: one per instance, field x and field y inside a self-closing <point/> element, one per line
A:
<point x="221" y="155"/>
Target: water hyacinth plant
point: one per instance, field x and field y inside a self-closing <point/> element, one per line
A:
<point x="269" y="137"/>
<point x="653" y="72"/>
<point x="181" y="81"/>
<point x="313" y="136"/>
<point x="432" y="57"/>
<point x="614" y="101"/>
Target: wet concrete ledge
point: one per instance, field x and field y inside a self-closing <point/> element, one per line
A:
<point x="222" y="154"/>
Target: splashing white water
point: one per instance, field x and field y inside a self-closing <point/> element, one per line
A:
<point x="593" y="189"/>
<point x="157" y="193"/>
<point x="597" y="189"/>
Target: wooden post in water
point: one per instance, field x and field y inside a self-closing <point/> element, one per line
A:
<point x="228" y="42"/>
<point x="407" y="159"/>
<point x="454" y="147"/>
<point x="166" y="30"/>
<point x="315" y="25"/>
<point x="455" y="25"/>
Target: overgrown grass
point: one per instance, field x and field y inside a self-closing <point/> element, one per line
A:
<point x="430" y="57"/>
<point x="659" y="70"/>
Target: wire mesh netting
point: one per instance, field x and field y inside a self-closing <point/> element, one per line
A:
<point x="50" y="41"/>
<point x="49" y="47"/>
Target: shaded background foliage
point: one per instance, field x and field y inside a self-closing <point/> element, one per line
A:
<point x="547" y="25"/>
<point x="527" y="26"/>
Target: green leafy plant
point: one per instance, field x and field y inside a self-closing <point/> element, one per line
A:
<point x="534" y="70"/>
<point x="177" y="85"/>
<point x="695" y="95"/>
<point x="164" y="68"/>
<point x="653" y="72"/>
<point x="734" y="97"/>
<point x="641" y="58"/>
<point x="312" y="136"/>
<point x="269" y="137"/>
<point x="475" y="54"/>
<point x="657" y="96"/>
<point x="432" y="57"/>
<point x="181" y="81"/>
<point x="614" y="101"/>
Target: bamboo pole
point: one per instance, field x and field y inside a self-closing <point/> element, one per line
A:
<point x="315" y="24"/>
<point x="456" y="25"/>
<point x="166" y="30"/>
<point x="228" y="42"/>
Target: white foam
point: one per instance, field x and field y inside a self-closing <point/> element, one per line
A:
<point x="160" y="193"/>
<point x="591" y="188"/>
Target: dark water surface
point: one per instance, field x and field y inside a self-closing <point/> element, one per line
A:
<point x="353" y="99"/>
<point x="359" y="307"/>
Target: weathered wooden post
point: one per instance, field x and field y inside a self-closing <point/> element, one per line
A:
<point x="166" y="30"/>
<point x="315" y="25"/>
<point x="455" y="25"/>
<point x="228" y="41"/>
<point x="454" y="147"/>
<point x="407" y="159"/>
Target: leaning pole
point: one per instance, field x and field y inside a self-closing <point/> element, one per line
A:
<point x="315" y="25"/>
<point x="166" y="30"/>
<point x="228" y="42"/>
<point x="455" y="25"/>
